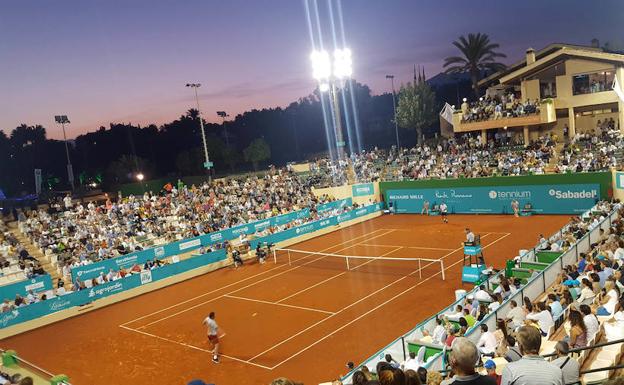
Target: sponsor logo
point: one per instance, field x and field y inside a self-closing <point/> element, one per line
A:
<point x="304" y="229"/>
<point x="146" y="277"/>
<point x="7" y="317"/>
<point x="100" y="291"/>
<point x="159" y="252"/>
<point x="324" y="222"/>
<point x="360" y="212"/>
<point x="189" y="244"/>
<point x="59" y="305"/>
<point x="584" y="194"/>
<point x="35" y="285"/>
<point x="517" y="194"/>
<point x="405" y="196"/>
<point x="96" y="269"/>
<point x="262" y="225"/>
<point x="216" y="237"/>
<point x="126" y="261"/>
<point x="243" y="229"/>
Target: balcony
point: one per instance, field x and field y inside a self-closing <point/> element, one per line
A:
<point x="546" y="115"/>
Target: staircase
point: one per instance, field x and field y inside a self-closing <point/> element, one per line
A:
<point x="34" y="251"/>
<point x="554" y="160"/>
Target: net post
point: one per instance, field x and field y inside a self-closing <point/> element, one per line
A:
<point x="274" y="256"/>
<point x="288" y="257"/>
<point x="348" y="268"/>
<point x="442" y="267"/>
<point x="419" y="268"/>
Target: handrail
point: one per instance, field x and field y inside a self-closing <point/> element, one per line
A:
<point x="594" y="346"/>
<point x="602" y="369"/>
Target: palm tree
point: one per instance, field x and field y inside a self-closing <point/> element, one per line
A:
<point x="478" y="54"/>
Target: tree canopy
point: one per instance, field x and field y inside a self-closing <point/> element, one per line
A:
<point x="417" y="108"/>
<point x="478" y="55"/>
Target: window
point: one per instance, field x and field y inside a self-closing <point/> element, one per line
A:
<point x="592" y="82"/>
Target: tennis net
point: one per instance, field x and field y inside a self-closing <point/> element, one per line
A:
<point x="365" y="264"/>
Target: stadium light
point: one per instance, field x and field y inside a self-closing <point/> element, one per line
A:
<point x="321" y="65"/>
<point x="207" y="164"/>
<point x="343" y="64"/>
<point x="140" y="177"/>
<point x="224" y="115"/>
<point x="62" y="120"/>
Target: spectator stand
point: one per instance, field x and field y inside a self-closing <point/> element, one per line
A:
<point x="435" y="356"/>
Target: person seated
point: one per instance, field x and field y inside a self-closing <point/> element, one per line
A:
<point x="238" y="261"/>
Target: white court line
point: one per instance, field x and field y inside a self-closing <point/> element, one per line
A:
<point x="371" y="310"/>
<point x="237" y="282"/>
<point x="193" y="347"/>
<point x="246" y="286"/>
<point x="278" y="304"/>
<point x="409" y="247"/>
<point x="345" y="308"/>
<point x="338" y="275"/>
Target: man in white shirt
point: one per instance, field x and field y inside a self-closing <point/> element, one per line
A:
<point x="487" y="342"/>
<point x="470" y="237"/>
<point x="542" y="317"/>
<point x="515" y="315"/>
<point x="444" y="212"/>
<point x="482" y="296"/>
<point x="411" y="363"/>
<point x="213" y="335"/>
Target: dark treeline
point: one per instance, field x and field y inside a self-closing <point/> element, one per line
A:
<point x="114" y="155"/>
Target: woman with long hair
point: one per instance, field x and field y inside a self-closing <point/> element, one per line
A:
<point x="578" y="330"/>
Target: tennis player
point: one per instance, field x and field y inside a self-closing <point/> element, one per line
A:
<point x="444" y="212"/>
<point x="213" y="335"/>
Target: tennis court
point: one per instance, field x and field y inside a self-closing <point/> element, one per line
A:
<point x="302" y="316"/>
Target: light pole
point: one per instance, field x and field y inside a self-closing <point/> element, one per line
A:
<point x="224" y="115"/>
<point x="330" y="76"/>
<point x="396" y="125"/>
<point x="207" y="164"/>
<point x="62" y="120"/>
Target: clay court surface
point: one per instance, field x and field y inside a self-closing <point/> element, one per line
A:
<point x="303" y="321"/>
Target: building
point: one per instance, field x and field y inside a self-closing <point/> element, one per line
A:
<point x="572" y="85"/>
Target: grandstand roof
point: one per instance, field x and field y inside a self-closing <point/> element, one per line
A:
<point x="547" y="56"/>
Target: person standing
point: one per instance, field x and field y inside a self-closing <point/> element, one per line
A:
<point x="444" y="212"/>
<point x="425" y="208"/>
<point x="213" y="335"/>
<point x="515" y="207"/>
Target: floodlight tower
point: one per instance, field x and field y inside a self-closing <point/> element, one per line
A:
<point x="330" y="77"/>
<point x="224" y="115"/>
<point x="62" y="120"/>
<point x="207" y="164"/>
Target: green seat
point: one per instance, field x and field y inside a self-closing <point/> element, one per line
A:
<point x="534" y="265"/>
<point x="430" y="351"/>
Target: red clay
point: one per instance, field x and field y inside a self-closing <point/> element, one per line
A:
<point x="302" y="321"/>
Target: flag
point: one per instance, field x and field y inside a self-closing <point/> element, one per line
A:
<point x="447" y="113"/>
<point x="618" y="89"/>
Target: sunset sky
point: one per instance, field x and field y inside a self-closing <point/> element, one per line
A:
<point x="128" y="61"/>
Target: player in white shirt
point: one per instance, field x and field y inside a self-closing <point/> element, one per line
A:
<point x="213" y="335"/>
<point x="444" y="212"/>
